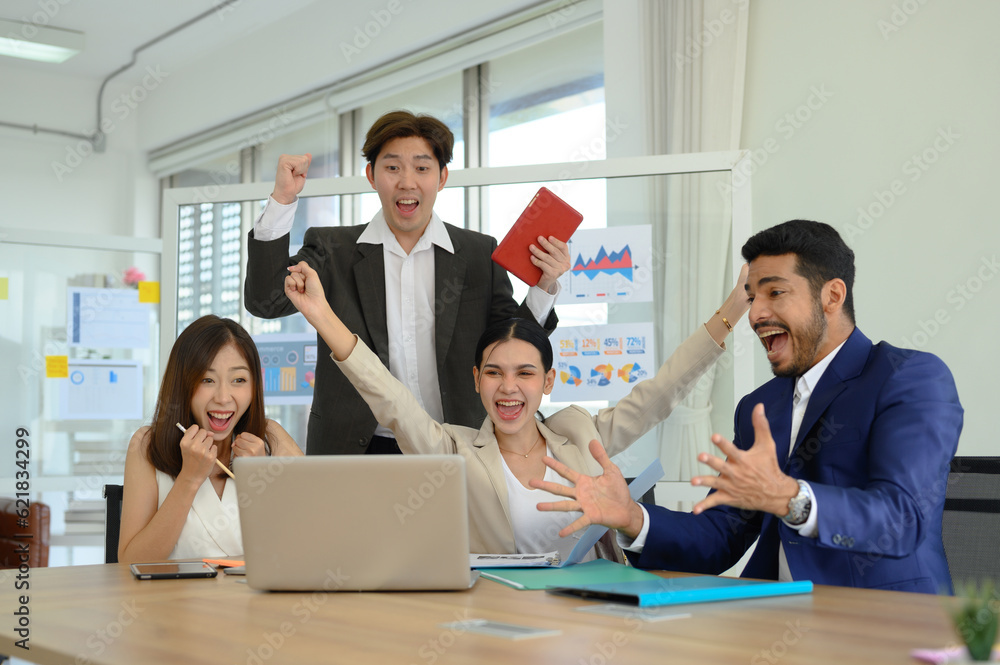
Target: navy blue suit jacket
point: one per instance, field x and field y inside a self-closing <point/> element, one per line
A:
<point x="875" y="444"/>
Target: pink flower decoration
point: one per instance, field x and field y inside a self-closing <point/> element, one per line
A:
<point x="133" y="276"/>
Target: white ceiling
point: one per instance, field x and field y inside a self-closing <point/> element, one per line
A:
<point x="113" y="29"/>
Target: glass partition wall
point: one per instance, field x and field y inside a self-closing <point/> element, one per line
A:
<point x="698" y="216"/>
<point x="80" y="331"/>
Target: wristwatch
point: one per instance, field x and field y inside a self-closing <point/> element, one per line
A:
<point x="799" y="506"/>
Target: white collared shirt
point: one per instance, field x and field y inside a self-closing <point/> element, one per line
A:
<point x="804" y="387"/>
<point x="409" y="309"/>
<point x="409" y="299"/>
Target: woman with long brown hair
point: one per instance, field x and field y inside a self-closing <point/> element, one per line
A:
<point x="178" y="501"/>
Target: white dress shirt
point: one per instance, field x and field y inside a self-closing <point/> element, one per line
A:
<point x="804" y="387"/>
<point x="409" y="299"/>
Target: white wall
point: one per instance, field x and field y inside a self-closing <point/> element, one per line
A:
<point x="54" y="183"/>
<point x="883" y="98"/>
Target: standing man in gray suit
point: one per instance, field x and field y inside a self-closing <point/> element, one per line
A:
<point x="419" y="292"/>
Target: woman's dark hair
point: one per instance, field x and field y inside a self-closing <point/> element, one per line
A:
<point x="525" y="330"/>
<point x="191" y="356"/>
<point x="821" y="254"/>
<point x="403" y="124"/>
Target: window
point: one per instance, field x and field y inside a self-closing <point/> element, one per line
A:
<point x="544" y="115"/>
<point x="208" y="271"/>
<point x="540" y="114"/>
<point x="537" y="113"/>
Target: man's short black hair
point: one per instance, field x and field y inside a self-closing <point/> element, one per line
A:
<point x="821" y="254"/>
<point x="403" y="124"/>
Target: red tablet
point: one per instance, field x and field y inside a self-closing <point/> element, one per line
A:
<point x="546" y="215"/>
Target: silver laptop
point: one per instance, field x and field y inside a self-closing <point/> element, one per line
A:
<point x="354" y="522"/>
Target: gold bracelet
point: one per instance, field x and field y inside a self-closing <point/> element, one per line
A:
<point x="726" y="321"/>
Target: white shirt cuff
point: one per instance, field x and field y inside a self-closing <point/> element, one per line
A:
<point x="808" y="528"/>
<point x="541" y="302"/>
<point x="275" y="220"/>
<point x="640" y="540"/>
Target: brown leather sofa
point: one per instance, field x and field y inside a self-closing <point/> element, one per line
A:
<point x="13" y="538"/>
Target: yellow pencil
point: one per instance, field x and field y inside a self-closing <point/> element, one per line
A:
<point x="221" y="465"/>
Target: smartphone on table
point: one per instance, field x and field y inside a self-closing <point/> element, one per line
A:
<point x="172" y="570"/>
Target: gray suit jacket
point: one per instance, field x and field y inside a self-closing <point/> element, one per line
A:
<point x="471" y="293"/>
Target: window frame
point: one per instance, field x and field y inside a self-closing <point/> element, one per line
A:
<point x="734" y="162"/>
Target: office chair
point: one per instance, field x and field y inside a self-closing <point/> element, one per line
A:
<point x="970" y="526"/>
<point x="112" y="522"/>
<point x="649" y="496"/>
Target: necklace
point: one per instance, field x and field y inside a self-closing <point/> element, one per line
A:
<point x="529" y="449"/>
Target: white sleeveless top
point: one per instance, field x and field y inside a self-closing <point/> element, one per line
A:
<point x="212" y="528"/>
<point x="536" y="532"/>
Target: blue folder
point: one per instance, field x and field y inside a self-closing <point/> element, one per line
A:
<point x="681" y="590"/>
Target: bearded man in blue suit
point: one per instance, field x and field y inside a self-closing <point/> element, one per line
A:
<point x="839" y="464"/>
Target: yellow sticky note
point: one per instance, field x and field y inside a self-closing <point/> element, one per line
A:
<point x="57" y="367"/>
<point x="3" y="288"/>
<point x="149" y="292"/>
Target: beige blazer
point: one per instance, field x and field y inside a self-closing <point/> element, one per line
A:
<point x="568" y="432"/>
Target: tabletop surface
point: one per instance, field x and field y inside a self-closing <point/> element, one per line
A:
<point x="101" y="614"/>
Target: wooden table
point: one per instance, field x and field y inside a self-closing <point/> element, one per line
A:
<point x="100" y="614"/>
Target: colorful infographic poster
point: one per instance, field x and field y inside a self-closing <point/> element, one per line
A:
<point x="610" y="265"/>
<point x="601" y="362"/>
<point x="288" y="364"/>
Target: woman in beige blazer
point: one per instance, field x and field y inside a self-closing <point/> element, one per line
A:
<point x="514" y="371"/>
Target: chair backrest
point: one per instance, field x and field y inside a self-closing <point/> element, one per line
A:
<point x="971" y="524"/>
<point x="112" y="522"/>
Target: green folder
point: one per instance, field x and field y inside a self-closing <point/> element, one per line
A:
<point x="598" y="571"/>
